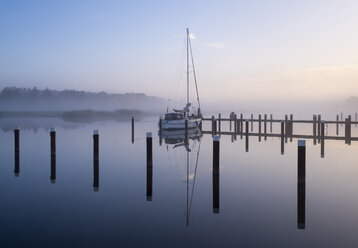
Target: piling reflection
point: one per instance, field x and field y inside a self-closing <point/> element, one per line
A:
<point x="53" y="169"/>
<point x="17" y="163"/>
<point x="216" y="171"/>
<point x="301" y="184"/>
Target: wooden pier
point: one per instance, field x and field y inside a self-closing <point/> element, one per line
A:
<point x="236" y="124"/>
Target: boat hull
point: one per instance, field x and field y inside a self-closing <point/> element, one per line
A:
<point x="180" y="124"/>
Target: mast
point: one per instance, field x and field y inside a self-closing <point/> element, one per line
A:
<point x="187" y="66"/>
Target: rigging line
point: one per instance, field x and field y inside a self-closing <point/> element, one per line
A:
<point x="196" y="167"/>
<point x="187" y="65"/>
<point x="192" y="62"/>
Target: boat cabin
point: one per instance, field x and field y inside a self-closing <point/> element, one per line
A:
<point x="174" y="116"/>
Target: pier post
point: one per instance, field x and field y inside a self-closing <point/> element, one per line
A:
<point x="231" y="117"/>
<point x="348" y="130"/>
<point x="53" y="141"/>
<point x="252" y="122"/>
<point x="53" y="155"/>
<point x="149" y="142"/>
<point x="314" y="129"/>
<point x="235" y="126"/>
<point x="286" y="128"/>
<point x="259" y="127"/>
<point x="17" y="151"/>
<point x="247" y="135"/>
<point x="216" y="173"/>
<point x="301" y="184"/>
<point x="337" y="127"/>
<point x="95" y="160"/>
<point x="322" y="139"/>
<point x="291" y="127"/>
<point x="342" y="118"/>
<point x="270" y="123"/>
<point x="265" y="126"/>
<point x="282" y="137"/>
<point x="319" y="128"/>
<point x="219" y="123"/>
<point x="241" y="124"/>
<point x="133" y="127"/>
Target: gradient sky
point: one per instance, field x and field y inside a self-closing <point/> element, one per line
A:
<point x="244" y="50"/>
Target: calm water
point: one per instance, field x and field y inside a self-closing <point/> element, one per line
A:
<point x="258" y="190"/>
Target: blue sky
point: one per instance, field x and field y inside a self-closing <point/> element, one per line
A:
<point x="243" y="49"/>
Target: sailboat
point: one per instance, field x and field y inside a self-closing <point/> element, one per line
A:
<point x="178" y="118"/>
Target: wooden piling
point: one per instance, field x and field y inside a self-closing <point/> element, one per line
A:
<point x="270" y="123"/>
<point x="301" y="184"/>
<point x="337" y="127"/>
<point x="219" y="120"/>
<point x="95" y="160"/>
<point x="247" y="136"/>
<point x="282" y="137"/>
<point x="149" y="189"/>
<point x="286" y="128"/>
<point x="314" y="129"/>
<point x="322" y="139"/>
<point x="53" y="155"/>
<point x="348" y="130"/>
<point x="259" y="127"/>
<point x="265" y="126"/>
<point x="17" y="151"/>
<point x="319" y="128"/>
<point x="187" y="130"/>
<point x="291" y="127"/>
<point x="133" y="127"/>
<point x="216" y="173"/>
<point x="53" y="141"/>
<point x="252" y="122"/>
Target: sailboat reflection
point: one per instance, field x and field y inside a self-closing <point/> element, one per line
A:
<point x="183" y="147"/>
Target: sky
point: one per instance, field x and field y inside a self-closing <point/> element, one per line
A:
<point x="243" y="50"/>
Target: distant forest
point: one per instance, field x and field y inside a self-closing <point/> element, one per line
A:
<point x="13" y="98"/>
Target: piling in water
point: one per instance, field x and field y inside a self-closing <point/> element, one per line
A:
<point x="282" y="137"/>
<point x="53" y="155"/>
<point x="149" y="151"/>
<point x="348" y="130"/>
<point x="247" y="136"/>
<point x="301" y="184"/>
<point x="259" y="127"/>
<point x="286" y="128"/>
<point x="95" y="160"/>
<point x="252" y="122"/>
<point x="337" y="127"/>
<point x="291" y="127"/>
<point x="314" y="129"/>
<point x="133" y="128"/>
<point x="270" y="123"/>
<point x="17" y="151"/>
<point x="319" y="128"/>
<point x="149" y="191"/>
<point x="219" y="123"/>
<point x="265" y="126"/>
<point x="322" y="139"/>
<point x="216" y="173"/>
